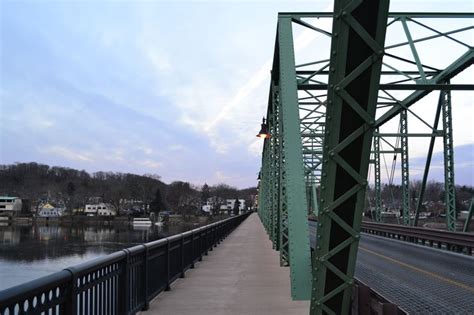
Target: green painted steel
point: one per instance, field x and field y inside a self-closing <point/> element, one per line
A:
<point x="356" y="60"/>
<point x="282" y="201"/>
<point x="469" y="216"/>
<point x="449" y="188"/>
<point x="321" y="141"/>
<point x="427" y="164"/>
<point x="405" y="209"/>
<point x="299" y="250"/>
<point x="377" y="178"/>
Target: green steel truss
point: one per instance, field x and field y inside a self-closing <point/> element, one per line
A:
<point x="404" y="167"/>
<point x="377" y="178"/>
<point x="445" y="99"/>
<point x="327" y="116"/>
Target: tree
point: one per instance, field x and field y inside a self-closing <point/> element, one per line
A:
<point x="157" y="205"/>
<point x="70" y="190"/>
<point x="205" y="193"/>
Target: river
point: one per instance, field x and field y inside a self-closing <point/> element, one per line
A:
<point x="32" y="251"/>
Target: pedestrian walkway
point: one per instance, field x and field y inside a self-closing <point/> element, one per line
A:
<point x="242" y="275"/>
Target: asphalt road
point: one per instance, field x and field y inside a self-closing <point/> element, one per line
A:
<point x="421" y="280"/>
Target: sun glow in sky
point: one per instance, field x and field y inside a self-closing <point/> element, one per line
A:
<point x="174" y="88"/>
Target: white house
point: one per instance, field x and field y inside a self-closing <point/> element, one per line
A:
<point x="48" y="210"/>
<point x="10" y="205"/>
<point x="101" y="209"/>
<point x="208" y="206"/>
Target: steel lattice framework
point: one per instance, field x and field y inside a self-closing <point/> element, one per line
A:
<point x="327" y="118"/>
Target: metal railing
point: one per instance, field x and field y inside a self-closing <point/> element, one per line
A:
<point x="453" y="241"/>
<point x="123" y="282"/>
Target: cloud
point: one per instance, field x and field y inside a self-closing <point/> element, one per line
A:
<point x="151" y="164"/>
<point x="66" y="153"/>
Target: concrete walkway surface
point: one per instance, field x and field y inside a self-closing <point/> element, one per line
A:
<point x="242" y="275"/>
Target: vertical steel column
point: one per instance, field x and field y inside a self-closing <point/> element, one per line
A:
<point x="428" y="162"/>
<point x="469" y="216"/>
<point x="300" y="263"/>
<point x="448" y="160"/>
<point x="355" y="68"/>
<point x="282" y="202"/>
<point x="273" y="128"/>
<point x="405" y="167"/>
<point x="377" y="178"/>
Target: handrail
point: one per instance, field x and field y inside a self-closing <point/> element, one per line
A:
<point x="453" y="241"/>
<point x="123" y="282"/>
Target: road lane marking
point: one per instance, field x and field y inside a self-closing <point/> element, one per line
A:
<point x="428" y="273"/>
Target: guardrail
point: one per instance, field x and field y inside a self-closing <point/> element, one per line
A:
<point x="453" y="241"/>
<point x="364" y="299"/>
<point x="123" y="282"/>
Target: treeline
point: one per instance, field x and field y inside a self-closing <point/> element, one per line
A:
<point x="433" y="200"/>
<point x="72" y="189"/>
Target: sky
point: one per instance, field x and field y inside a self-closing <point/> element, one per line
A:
<point x="174" y="88"/>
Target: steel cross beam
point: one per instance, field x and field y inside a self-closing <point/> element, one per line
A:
<point x="356" y="60"/>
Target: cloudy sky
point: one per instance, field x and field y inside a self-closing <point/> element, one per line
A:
<point x="174" y="88"/>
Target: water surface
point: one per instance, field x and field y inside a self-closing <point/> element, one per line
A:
<point x="32" y="251"/>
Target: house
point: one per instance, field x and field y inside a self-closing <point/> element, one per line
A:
<point x="208" y="206"/>
<point x="229" y="205"/>
<point x="10" y="205"/>
<point x="101" y="209"/>
<point x="48" y="210"/>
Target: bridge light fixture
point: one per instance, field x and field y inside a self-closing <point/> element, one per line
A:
<point x="259" y="176"/>
<point x="263" y="133"/>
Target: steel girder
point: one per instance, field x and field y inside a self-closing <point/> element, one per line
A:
<point x="355" y="68"/>
<point x="294" y="186"/>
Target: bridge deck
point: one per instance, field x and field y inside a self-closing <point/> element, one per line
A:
<point x="422" y="280"/>
<point x="241" y="276"/>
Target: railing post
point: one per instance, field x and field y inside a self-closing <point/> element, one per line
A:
<point x="146" y="306"/>
<point x="168" y="287"/>
<point x="200" y="244"/>
<point x="192" y="250"/>
<point x="182" y="256"/>
<point x="206" y="247"/>
<point x="70" y="306"/>
<point x="123" y="286"/>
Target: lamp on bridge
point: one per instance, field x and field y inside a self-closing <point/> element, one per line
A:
<point x="259" y="176"/>
<point x="263" y="133"/>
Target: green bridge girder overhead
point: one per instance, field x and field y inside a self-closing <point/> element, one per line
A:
<point x="329" y="118"/>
